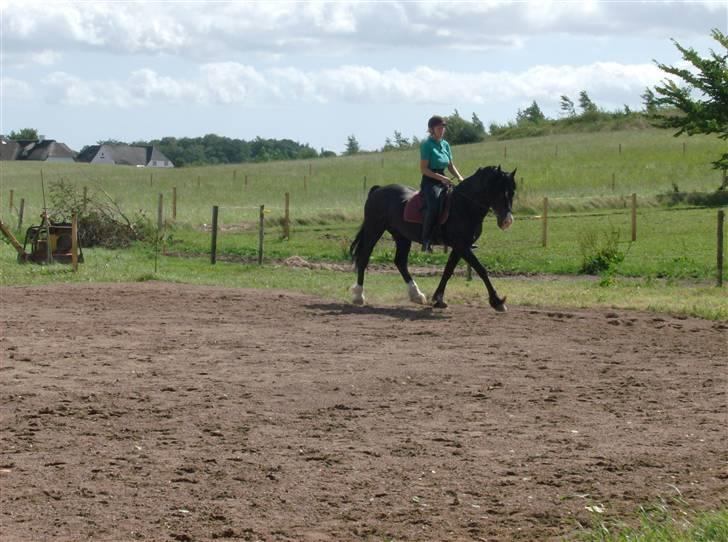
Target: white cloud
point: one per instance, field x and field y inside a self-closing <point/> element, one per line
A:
<point x="232" y="83"/>
<point x="15" y="90"/>
<point x="205" y="30"/>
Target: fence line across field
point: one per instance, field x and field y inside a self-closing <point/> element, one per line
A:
<point x="544" y="217"/>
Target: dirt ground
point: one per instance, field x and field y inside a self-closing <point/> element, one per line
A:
<point x="171" y="412"/>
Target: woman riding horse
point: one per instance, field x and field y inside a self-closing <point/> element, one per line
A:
<point x="489" y="188"/>
<point x="435" y="156"/>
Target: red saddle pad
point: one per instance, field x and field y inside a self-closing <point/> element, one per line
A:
<point x="413" y="209"/>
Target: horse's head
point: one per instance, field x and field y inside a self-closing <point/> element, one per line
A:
<point x="499" y="188"/>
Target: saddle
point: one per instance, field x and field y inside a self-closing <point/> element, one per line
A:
<point x="415" y="207"/>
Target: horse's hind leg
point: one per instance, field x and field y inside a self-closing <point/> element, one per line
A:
<point x="370" y="236"/>
<point x="400" y="260"/>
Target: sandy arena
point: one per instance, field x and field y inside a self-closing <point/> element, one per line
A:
<point x="157" y="411"/>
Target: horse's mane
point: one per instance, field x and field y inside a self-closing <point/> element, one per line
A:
<point x="482" y="173"/>
<point x="469" y="182"/>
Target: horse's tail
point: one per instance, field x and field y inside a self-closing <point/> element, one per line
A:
<point x="358" y="242"/>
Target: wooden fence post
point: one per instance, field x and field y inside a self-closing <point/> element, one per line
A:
<point x="287" y="218"/>
<point x="545" y="222"/>
<point x="21" y="212"/>
<point x="469" y="273"/>
<point x="634" y="217"/>
<point x="10" y="205"/>
<point x="151" y="179"/>
<point x="160" y="213"/>
<point x="74" y="242"/>
<point x="261" y="234"/>
<point x="614" y="183"/>
<point x="213" y="248"/>
<point x="246" y="181"/>
<point x="721" y="221"/>
<point x="364" y="188"/>
<point x="85" y="199"/>
<point x="174" y="203"/>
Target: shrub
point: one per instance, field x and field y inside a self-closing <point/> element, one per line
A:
<point x="600" y="253"/>
<point x="101" y="221"/>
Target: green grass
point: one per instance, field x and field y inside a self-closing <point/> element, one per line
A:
<point x="662" y="523"/>
<point x="576" y="171"/>
<point x="138" y="264"/>
<point x="671" y="244"/>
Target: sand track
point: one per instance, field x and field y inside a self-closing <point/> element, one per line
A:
<point x="171" y="412"/>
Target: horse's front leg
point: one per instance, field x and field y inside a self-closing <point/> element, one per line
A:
<point x="496" y="302"/>
<point x="438" y="297"/>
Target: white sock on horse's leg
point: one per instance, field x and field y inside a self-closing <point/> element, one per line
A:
<point x="357" y="292"/>
<point x="415" y="295"/>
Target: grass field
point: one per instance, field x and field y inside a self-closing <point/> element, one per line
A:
<point x="588" y="179"/>
<point x="575" y="171"/>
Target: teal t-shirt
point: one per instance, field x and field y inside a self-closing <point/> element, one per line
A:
<point x="437" y="153"/>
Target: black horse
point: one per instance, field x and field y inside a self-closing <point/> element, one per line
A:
<point x="488" y="188"/>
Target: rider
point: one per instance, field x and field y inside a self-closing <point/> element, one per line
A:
<point x="435" y="155"/>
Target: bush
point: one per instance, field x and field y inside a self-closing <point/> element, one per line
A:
<point x="101" y="221"/>
<point x="600" y="253"/>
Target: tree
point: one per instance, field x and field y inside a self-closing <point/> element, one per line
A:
<point x="649" y="101"/>
<point x="707" y="114"/>
<point x="587" y="106"/>
<point x="567" y="106"/>
<point x="461" y="131"/>
<point x="478" y="124"/>
<point x="352" y="145"/>
<point x="26" y="133"/>
<point x="532" y="114"/>
<point x="401" y="142"/>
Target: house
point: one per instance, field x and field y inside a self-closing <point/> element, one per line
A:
<point x="9" y="148"/>
<point x="47" y="150"/>
<point x="129" y="155"/>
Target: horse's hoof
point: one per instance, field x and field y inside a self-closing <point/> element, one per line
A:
<point x="501" y="308"/>
<point x="439" y="304"/>
<point x="358" y="301"/>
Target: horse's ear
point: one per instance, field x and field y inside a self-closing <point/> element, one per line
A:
<point x="514" y="173"/>
<point x="499" y="168"/>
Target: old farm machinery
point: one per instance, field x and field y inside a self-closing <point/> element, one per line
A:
<point x="49" y="242"/>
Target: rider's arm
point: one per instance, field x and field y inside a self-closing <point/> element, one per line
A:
<point x="454" y="171"/>
<point x="427" y="172"/>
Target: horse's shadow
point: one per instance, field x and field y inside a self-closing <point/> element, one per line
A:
<point x="400" y="313"/>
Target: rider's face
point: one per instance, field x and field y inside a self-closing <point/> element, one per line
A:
<point x="438" y="132"/>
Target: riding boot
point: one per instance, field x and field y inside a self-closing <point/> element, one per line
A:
<point x="427" y="227"/>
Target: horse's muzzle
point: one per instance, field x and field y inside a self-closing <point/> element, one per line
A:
<point x="505" y="222"/>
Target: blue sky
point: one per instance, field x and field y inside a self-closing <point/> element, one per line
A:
<point x="317" y="72"/>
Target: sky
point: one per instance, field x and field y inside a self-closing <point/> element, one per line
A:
<point x="318" y="72"/>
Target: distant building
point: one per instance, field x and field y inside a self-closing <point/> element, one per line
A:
<point x="46" y="150"/>
<point x="127" y="155"/>
<point x="9" y="148"/>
